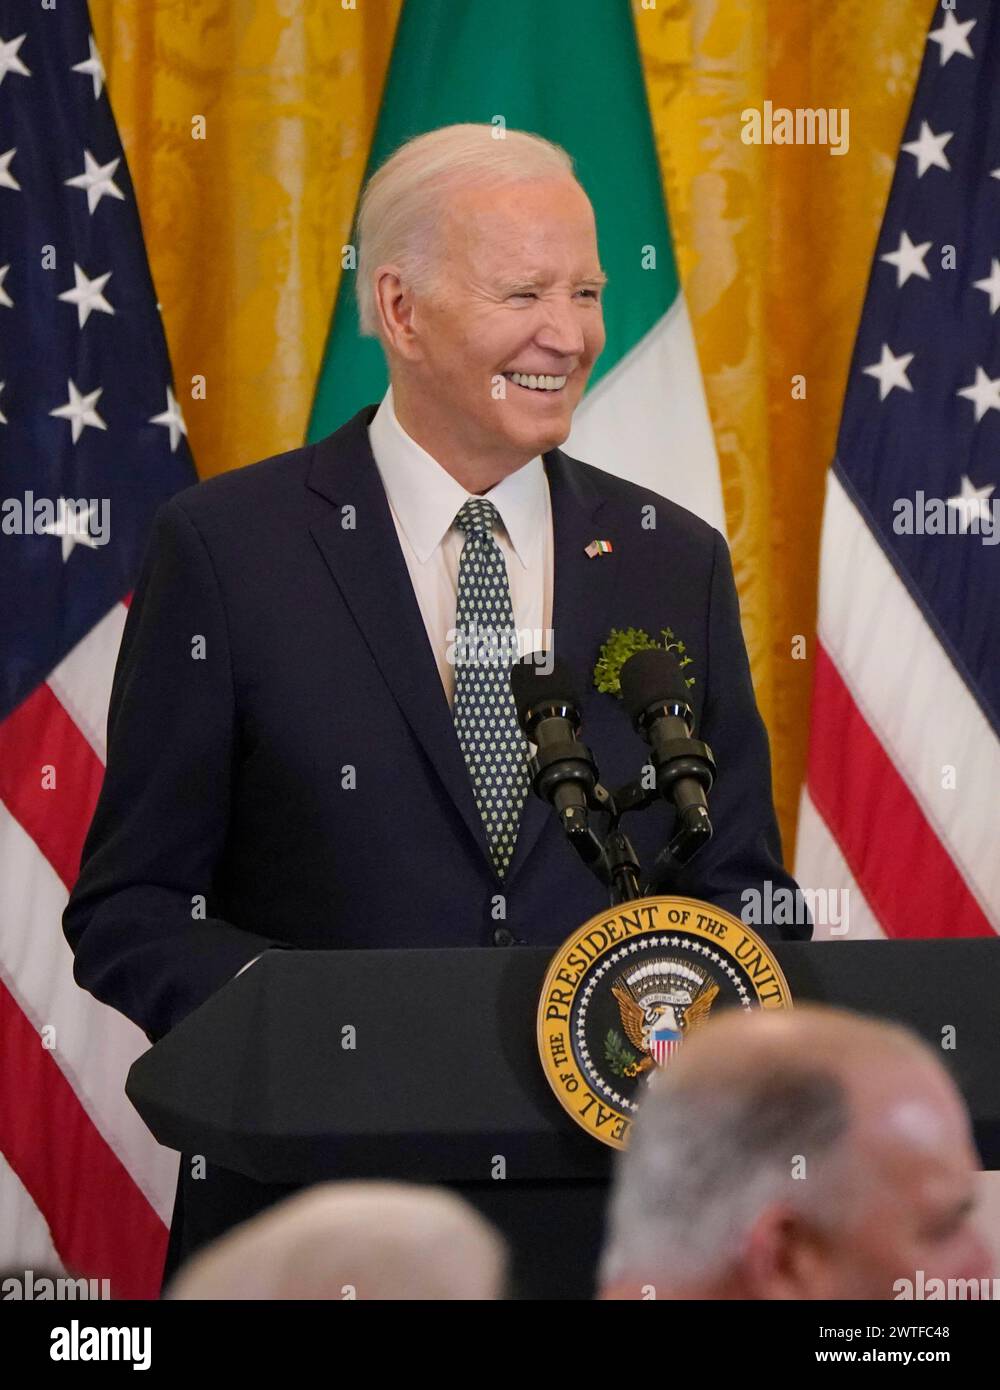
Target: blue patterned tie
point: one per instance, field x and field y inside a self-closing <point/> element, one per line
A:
<point x="490" y="737"/>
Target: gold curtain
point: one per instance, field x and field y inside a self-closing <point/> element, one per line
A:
<point x="244" y="226"/>
<point x="244" y="229"/>
<point x="775" y="246"/>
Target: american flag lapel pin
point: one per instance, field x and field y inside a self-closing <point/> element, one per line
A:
<point x="598" y="548"/>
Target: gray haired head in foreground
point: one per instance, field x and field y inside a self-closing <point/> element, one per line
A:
<point x="726" y="1130"/>
<point x="365" y="1240"/>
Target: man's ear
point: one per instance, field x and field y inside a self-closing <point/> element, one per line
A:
<point x="394" y="304"/>
<point x="786" y="1257"/>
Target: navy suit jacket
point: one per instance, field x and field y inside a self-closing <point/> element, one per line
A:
<point x="272" y="645"/>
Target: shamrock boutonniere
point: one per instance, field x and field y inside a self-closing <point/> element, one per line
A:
<point x="623" y="643"/>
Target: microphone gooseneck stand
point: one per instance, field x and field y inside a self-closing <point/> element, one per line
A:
<point x="564" y="773"/>
<point x="613" y="859"/>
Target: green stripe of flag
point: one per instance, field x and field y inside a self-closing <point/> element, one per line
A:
<point x="565" y="69"/>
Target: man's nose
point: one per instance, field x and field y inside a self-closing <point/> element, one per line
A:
<point x="562" y="331"/>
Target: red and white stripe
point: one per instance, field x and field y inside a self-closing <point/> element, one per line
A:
<point x="82" y="1182"/>
<point x="881" y="813"/>
<point x="663" y="1049"/>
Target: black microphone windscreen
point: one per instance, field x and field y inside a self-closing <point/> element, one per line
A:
<point x="541" y="677"/>
<point x="652" y="677"/>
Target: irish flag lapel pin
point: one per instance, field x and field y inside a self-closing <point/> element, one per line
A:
<point x="598" y="548"/>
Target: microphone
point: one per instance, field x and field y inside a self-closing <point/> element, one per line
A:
<point x="654" y="692"/>
<point x="563" y="770"/>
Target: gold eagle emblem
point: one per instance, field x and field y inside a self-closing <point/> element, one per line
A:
<point x="638" y="1020"/>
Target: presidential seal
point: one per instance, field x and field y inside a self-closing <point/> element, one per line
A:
<point x="623" y="992"/>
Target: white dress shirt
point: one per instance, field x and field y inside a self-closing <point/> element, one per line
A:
<point x="424" y="500"/>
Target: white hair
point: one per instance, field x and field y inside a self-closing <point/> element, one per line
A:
<point x="372" y="1240"/>
<point x="703" y="1163"/>
<point x="400" y="209"/>
<point x="718" y="1140"/>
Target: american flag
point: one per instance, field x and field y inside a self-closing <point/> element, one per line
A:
<point x="902" y="801"/>
<point x="91" y="442"/>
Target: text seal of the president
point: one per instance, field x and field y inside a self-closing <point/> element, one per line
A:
<point x="622" y="993"/>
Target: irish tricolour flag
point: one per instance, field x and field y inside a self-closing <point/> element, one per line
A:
<point x="568" y="70"/>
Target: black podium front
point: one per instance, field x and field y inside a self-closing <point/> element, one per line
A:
<point x="422" y="1065"/>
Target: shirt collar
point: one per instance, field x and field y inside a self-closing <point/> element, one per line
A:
<point x="425" y="498"/>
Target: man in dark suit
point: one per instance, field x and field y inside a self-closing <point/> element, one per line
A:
<point x="297" y="757"/>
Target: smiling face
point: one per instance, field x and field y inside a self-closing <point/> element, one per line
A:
<point x="488" y="367"/>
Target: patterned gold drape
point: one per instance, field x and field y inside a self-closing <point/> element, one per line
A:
<point x="244" y="229"/>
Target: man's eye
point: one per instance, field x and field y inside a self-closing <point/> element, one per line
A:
<point x="530" y="294"/>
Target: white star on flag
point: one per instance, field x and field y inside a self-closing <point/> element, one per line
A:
<point x="953" y="37"/>
<point x="891" y="372"/>
<point x="929" y="150"/>
<point x="73" y="526"/>
<point x="93" y="67"/>
<point x="7" y="179"/>
<point x="9" y="61"/>
<point x="97" y="180"/>
<point x="5" y="298"/>
<point x="87" y="294"/>
<point x="991" y="286"/>
<point x="995" y="173"/>
<point x="908" y="260"/>
<point x="173" y="419"/>
<point x="3" y="417"/>
<point x="79" y="410"/>
<point x="984" y="392"/>
<point x="972" y="503"/>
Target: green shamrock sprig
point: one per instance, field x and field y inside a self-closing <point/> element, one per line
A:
<point x="623" y="643"/>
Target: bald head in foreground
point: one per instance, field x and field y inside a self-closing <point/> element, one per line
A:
<point x="372" y="1240"/>
<point x="805" y="1155"/>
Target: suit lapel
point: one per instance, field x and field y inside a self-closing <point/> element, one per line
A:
<point x="581" y="602"/>
<point x="368" y="566"/>
<point x="370" y="571"/>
